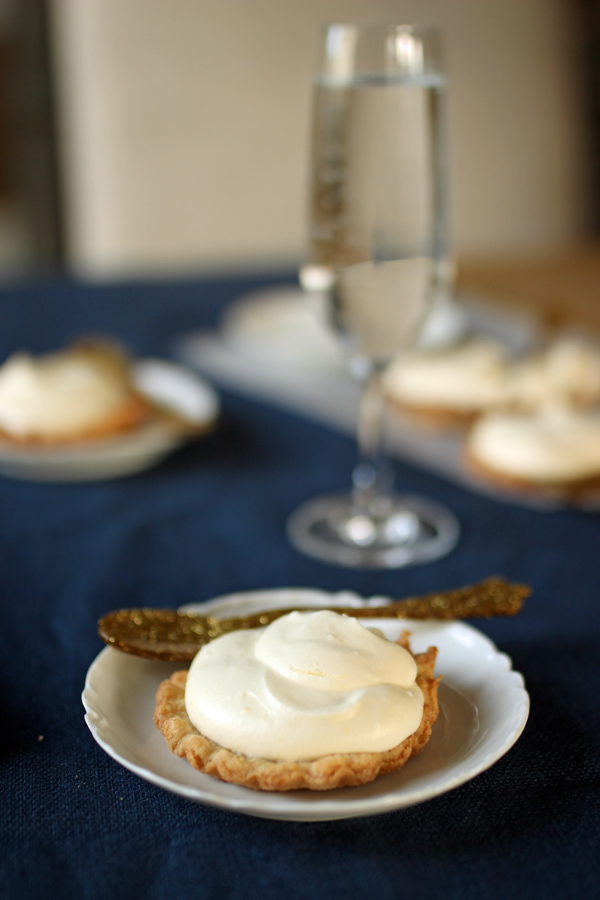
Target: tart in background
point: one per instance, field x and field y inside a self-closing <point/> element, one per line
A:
<point x="448" y="386"/>
<point x="452" y="386"/>
<point x="554" y="453"/>
<point x="82" y="393"/>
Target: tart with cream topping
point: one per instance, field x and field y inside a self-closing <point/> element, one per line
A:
<point x="452" y="386"/>
<point x="556" y="452"/>
<point x="449" y="386"/>
<point x="84" y="392"/>
<point x="315" y="700"/>
<point x="565" y="375"/>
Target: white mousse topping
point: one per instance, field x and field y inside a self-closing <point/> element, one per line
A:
<point x="478" y="376"/>
<point x="558" y="446"/>
<point x="470" y="376"/>
<point x="308" y="685"/>
<point x="56" y="394"/>
<point x="566" y="374"/>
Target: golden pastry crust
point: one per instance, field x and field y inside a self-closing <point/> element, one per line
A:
<point x="322" y="774"/>
<point x="434" y="418"/>
<point x="134" y="411"/>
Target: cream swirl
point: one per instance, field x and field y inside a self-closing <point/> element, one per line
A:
<point x="478" y="376"/>
<point x="567" y="374"/>
<point x="467" y="377"/>
<point x="557" y="446"/>
<point x="308" y="685"/>
<point x="56" y="394"/>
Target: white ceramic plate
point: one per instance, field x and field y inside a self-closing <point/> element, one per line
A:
<point x="174" y="387"/>
<point x="483" y="710"/>
<point x="277" y="327"/>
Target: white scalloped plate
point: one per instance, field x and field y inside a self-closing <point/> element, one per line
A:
<point x="175" y="387"/>
<point x="483" y="710"/>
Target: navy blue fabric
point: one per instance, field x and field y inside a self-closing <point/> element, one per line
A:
<point x="210" y="519"/>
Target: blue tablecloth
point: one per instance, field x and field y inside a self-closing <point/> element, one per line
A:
<point x="210" y="520"/>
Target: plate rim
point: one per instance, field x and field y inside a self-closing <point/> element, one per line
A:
<point x="328" y="808"/>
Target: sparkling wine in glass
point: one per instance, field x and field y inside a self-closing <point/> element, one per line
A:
<point x="378" y="255"/>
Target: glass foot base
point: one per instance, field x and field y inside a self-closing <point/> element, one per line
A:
<point x="410" y="530"/>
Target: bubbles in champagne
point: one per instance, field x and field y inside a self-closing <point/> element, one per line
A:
<point x="378" y="209"/>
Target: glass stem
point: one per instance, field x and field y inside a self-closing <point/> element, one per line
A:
<point x="372" y="477"/>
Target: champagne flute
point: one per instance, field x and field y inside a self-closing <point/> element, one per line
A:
<point x="378" y="253"/>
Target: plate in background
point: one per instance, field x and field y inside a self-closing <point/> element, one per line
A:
<point x="178" y="390"/>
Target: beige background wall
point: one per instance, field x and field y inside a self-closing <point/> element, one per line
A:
<point x="184" y="126"/>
